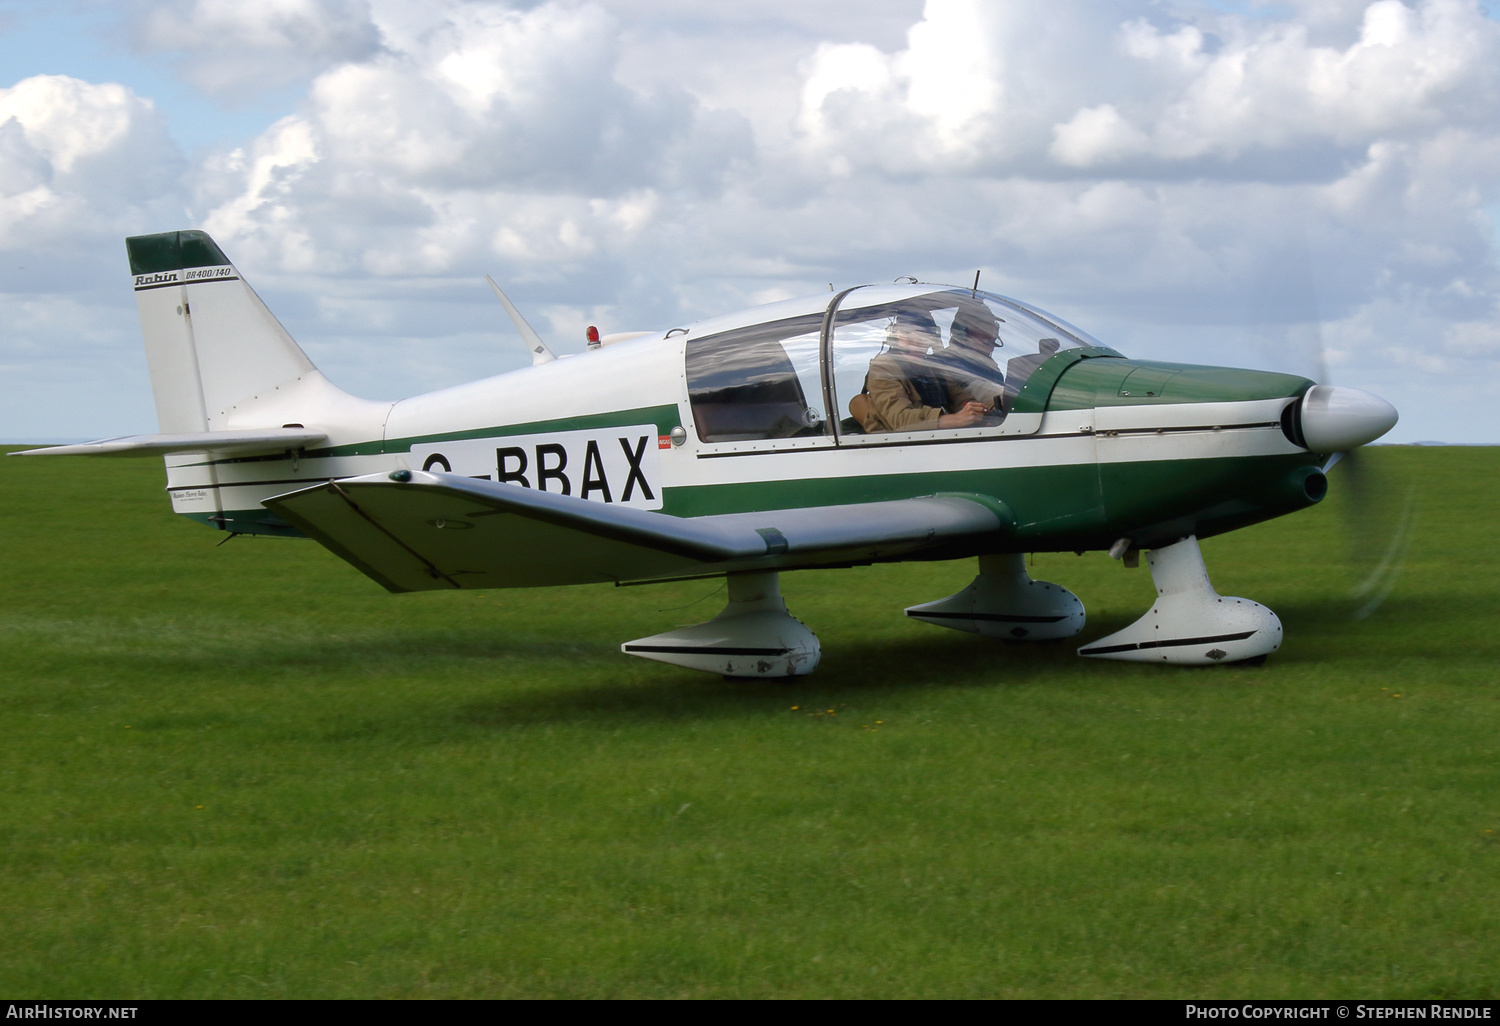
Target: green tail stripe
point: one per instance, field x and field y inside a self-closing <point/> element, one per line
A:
<point x="172" y="251"/>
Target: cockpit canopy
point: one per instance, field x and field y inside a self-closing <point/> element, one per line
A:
<point x="882" y="358"/>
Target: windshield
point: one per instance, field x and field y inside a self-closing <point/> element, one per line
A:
<point x="907" y="360"/>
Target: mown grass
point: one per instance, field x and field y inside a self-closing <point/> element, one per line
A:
<point x="247" y="771"/>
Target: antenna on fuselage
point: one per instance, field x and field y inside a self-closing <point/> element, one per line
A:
<point x="975" y="292"/>
<point x="539" y="351"/>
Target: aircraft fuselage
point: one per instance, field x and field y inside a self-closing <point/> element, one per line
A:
<point x="1205" y="454"/>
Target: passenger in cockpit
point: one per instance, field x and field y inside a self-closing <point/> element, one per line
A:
<point x="907" y="391"/>
<point x="969" y="359"/>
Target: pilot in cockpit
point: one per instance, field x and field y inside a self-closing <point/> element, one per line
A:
<point x="906" y="390"/>
<point x="969" y="359"/>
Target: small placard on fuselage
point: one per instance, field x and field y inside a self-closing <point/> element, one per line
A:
<point x="618" y="465"/>
<point x="194" y="500"/>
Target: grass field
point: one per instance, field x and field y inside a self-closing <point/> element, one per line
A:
<point x="247" y="771"/>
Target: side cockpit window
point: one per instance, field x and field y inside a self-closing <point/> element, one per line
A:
<point x="759" y="382"/>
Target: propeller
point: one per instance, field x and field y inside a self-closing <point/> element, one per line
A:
<point x="1381" y="515"/>
<point x="1379" y="509"/>
<point x="1378" y="505"/>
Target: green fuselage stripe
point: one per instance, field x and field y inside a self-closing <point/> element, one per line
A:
<point x="1079" y="506"/>
<point x="665" y="418"/>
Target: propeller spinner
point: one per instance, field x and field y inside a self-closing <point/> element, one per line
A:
<point x="1335" y="418"/>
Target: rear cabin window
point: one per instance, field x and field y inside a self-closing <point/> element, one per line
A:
<point x="758" y="382"/>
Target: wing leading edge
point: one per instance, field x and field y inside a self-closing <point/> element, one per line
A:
<point x="439" y="531"/>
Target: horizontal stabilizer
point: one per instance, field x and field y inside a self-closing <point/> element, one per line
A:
<point x="427" y="531"/>
<point x="214" y="442"/>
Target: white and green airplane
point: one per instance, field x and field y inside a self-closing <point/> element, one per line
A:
<point x="877" y="424"/>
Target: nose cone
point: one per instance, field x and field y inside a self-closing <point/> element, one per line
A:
<point x="1335" y="419"/>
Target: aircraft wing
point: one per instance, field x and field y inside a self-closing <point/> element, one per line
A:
<point x="217" y="442"/>
<point x="434" y="531"/>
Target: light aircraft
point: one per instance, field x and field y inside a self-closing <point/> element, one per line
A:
<point x="874" y="424"/>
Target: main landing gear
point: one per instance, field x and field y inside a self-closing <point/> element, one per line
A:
<point x="753" y="637"/>
<point x="1003" y="602"/>
<point x="1191" y="623"/>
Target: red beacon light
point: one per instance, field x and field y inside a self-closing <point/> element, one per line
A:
<point x="593" y="337"/>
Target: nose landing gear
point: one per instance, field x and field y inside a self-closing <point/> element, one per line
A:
<point x="1191" y="623"/>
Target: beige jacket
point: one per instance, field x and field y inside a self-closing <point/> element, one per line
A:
<point x="893" y="403"/>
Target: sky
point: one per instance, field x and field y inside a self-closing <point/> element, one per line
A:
<point x="1303" y="185"/>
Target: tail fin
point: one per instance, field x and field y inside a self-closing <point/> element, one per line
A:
<point x="211" y="344"/>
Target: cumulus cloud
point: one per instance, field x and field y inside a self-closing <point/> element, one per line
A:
<point x="490" y="131"/>
<point x="991" y="88"/>
<point x="944" y="102"/>
<point x="1408" y="69"/>
<point x="1097" y="135"/>
<point x="76" y="154"/>
<point x="235" y="49"/>
<point x="494" y="95"/>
